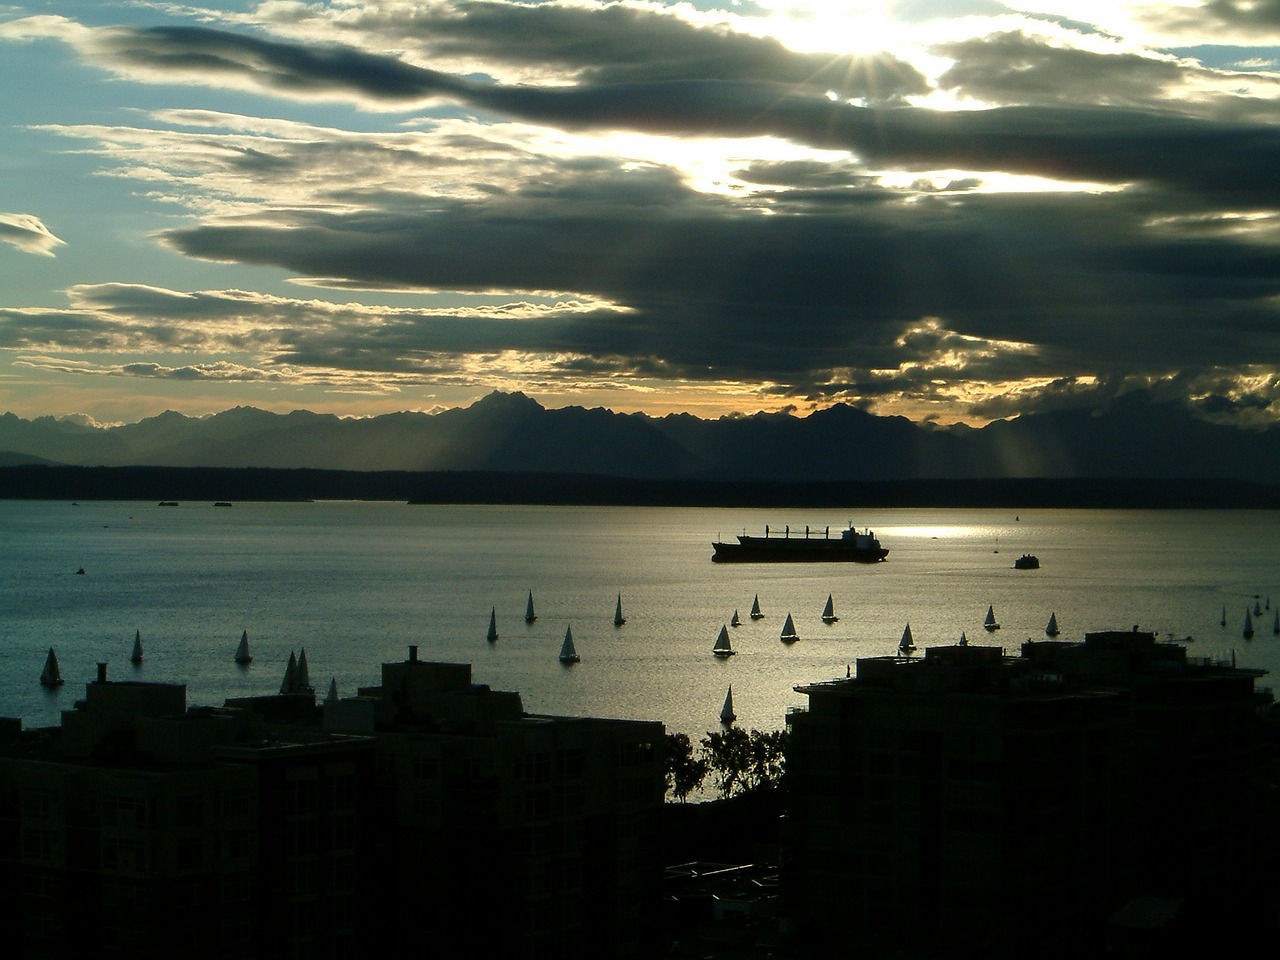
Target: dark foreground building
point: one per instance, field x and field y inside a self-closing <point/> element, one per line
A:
<point x="424" y="810"/>
<point x="972" y="804"/>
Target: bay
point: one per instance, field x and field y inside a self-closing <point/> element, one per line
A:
<point x="356" y="583"/>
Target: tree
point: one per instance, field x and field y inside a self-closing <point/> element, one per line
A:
<point x="683" y="772"/>
<point x="745" y="762"/>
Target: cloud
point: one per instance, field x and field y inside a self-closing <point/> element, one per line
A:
<point x="28" y="234"/>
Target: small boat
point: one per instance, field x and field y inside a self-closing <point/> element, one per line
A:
<point x="567" y="652"/>
<point x="51" y="676"/>
<point x="242" y="652"/>
<point x="529" y="615"/>
<point x="618" y="618"/>
<point x="722" y="648"/>
<point x="990" y="623"/>
<point x="727" y="715"/>
<point x="735" y="622"/>
<point x="1027" y="561"/>
<point x="1052" y="628"/>
<point x="1248" y="624"/>
<point x="493" y="625"/>
<point x="136" y="656"/>
<point x="829" y="612"/>
<point x="222" y="503"/>
<point x="906" y="646"/>
<point x="755" y="609"/>
<point x="789" y="634"/>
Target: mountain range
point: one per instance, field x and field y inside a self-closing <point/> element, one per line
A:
<point x="1135" y="438"/>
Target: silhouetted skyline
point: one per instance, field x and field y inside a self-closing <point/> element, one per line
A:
<point x="957" y="210"/>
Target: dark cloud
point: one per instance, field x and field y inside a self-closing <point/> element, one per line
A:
<point x="1095" y="144"/>
<point x="1025" y="285"/>
<point x="1014" y="67"/>
<point x="1245" y="13"/>
<point x="612" y="44"/>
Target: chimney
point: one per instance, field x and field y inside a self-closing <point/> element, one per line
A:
<point x="413" y="653"/>
<point x="102" y="673"/>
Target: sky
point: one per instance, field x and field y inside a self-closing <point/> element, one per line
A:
<point x="949" y="210"/>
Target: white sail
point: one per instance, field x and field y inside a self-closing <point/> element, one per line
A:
<point x="242" y="651"/>
<point x="755" y="608"/>
<point x="906" y="645"/>
<point x="1248" y="624"/>
<point x="1052" y="628"/>
<point x="529" y="615"/>
<point x="726" y="712"/>
<point x="618" y="618"/>
<point x="990" y="622"/>
<point x="136" y="656"/>
<point x="567" y="652"/>
<point x="735" y="622"/>
<point x="493" y="624"/>
<point x="290" y="682"/>
<point x="789" y="634"/>
<point x="50" y="676"/>
<point x="829" y="612"/>
<point x="304" y="675"/>
<point x="722" y="647"/>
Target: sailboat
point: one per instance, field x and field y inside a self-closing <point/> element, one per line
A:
<point x="722" y="647"/>
<point x="290" y="682"/>
<point x="332" y="696"/>
<point x="567" y="653"/>
<point x="618" y="618"/>
<point x="990" y="622"/>
<point x="1257" y="610"/>
<point x="136" y="656"/>
<point x="1052" y="628"/>
<point x="735" y="622"/>
<point x="50" y="676"/>
<point x="529" y="615"/>
<point x="1275" y="627"/>
<point x="1248" y="624"/>
<point x="727" y="715"/>
<point x="1223" y="621"/>
<point x="829" y="612"/>
<point x="964" y="641"/>
<point x="304" y="675"/>
<point x="789" y="634"/>
<point x="906" y="646"/>
<point x="755" y="609"/>
<point x="242" y="652"/>
<point x="493" y="625"/>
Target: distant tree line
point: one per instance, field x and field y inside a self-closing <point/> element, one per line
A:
<point x="738" y="762"/>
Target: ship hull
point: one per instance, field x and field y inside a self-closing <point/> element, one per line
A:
<point x="794" y="550"/>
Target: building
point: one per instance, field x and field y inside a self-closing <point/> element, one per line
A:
<point x="970" y="803"/>
<point x="428" y="806"/>
<point x="139" y="828"/>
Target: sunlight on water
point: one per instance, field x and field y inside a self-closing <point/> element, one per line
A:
<point x="356" y="583"/>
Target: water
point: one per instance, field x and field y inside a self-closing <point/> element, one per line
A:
<point x="356" y="583"/>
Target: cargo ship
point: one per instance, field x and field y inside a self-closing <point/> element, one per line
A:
<point x="851" y="546"/>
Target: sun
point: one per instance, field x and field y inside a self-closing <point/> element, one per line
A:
<point x="835" y="26"/>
